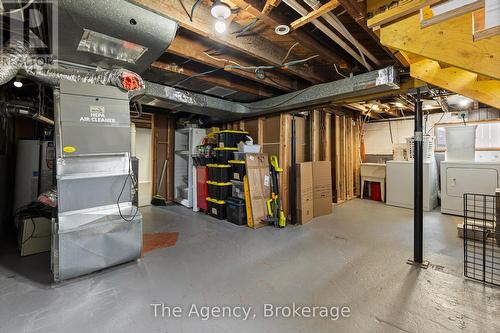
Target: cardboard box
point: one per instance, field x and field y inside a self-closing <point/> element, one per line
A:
<point x="34" y="235"/>
<point x="305" y="205"/>
<point x="259" y="185"/>
<point x="322" y="188"/>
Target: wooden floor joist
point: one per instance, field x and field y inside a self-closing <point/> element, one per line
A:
<point x="252" y="44"/>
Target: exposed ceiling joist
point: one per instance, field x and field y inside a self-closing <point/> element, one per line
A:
<point x="269" y="5"/>
<point x="333" y="20"/>
<point x="214" y="79"/>
<point x="253" y="45"/>
<point x="274" y="19"/>
<point x="339" y="41"/>
<point x="327" y="7"/>
<point x="197" y="51"/>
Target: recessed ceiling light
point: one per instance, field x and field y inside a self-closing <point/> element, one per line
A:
<point x="282" y="29"/>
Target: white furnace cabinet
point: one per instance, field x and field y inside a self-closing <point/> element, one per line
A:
<point x="400" y="184"/>
<point x="458" y="178"/>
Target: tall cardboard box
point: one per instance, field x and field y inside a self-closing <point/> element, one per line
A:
<point x="322" y="188"/>
<point x="259" y="186"/>
<point x="305" y="206"/>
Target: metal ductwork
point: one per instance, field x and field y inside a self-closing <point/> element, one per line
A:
<point x="89" y="35"/>
<point x="381" y="80"/>
<point x="18" y="59"/>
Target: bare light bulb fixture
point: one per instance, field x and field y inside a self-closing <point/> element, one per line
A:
<point x="220" y="11"/>
<point x="220" y="26"/>
<point x="18" y="83"/>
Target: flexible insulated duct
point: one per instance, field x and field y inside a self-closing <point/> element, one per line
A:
<point x="17" y="58"/>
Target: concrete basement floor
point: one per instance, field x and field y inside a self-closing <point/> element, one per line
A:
<point x="355" y="257"/>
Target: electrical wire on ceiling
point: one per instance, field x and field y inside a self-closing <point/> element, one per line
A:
<point x="248" y="27"/>
<point x="195" y="5"/>
<point x="255" y="68"/>
<point x="337" y="70"/>
<point x="288" y="53"/>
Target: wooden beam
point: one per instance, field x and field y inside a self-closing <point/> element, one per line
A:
<point x="274" y="19"/>
<point x="357" y="10"/>
<point x="269" y="5"/>
<point x="252" y="44"/>
<point x="296" y="6"/>
<point x="327" y="7"/>
<point x="196" y="51"/>
<point x="379" y="16"/>
<point x="431" y="15"/>
<point x="448" y="42"/>
<point x="214" y="78"/>
<point x="459" y="81"/>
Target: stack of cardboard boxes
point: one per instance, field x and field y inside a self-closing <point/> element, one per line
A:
<point x="314" y="190"/>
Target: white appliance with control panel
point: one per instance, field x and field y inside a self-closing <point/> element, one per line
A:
<point x="400" y="184"/>
<point x="457" y="178"/>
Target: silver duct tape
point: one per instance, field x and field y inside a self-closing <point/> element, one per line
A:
<point x="93" y="239"/>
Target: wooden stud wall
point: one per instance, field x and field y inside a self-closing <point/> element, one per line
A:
<point x="322" y="136"/>
<point x="346" y="150"/>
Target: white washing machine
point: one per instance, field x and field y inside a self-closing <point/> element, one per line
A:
<point x="457" y="178"/>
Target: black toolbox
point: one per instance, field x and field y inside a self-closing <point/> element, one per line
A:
<point x="223" y="155"/>
<point x="236" y="211"/>
<point x="238" y="169"/>
<point x="219" y="191"/>
<point x="220" y="173"/>
<point x="230" y="138"/>
<point x="217" y="208"/>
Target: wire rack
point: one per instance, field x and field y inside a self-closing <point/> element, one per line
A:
<point x="482" y="238"/>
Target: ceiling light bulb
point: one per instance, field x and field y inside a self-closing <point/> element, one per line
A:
<point x="220" y="10"/>
<point x="220" y="26"/>
<point x="18" y="83"/>
<point x="464" y="102"/>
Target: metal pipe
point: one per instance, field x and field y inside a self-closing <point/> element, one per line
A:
<point x="418" y="219"/>
<point x="293" y="174"/>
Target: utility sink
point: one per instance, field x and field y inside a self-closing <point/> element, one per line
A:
<point x="373" y="170"/>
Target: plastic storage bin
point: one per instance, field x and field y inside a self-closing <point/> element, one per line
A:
<point x="238" y="169"/>
<point x="220" y="173"/>
<point x="219" y="191"/>
<point x="217" y="208"/>
<point x="238" y="190"/>
<point x="236" y="211"/>
<point x="239" y="156"/>
<point x="230" y="138"/>
<point x="222" y="155"/>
